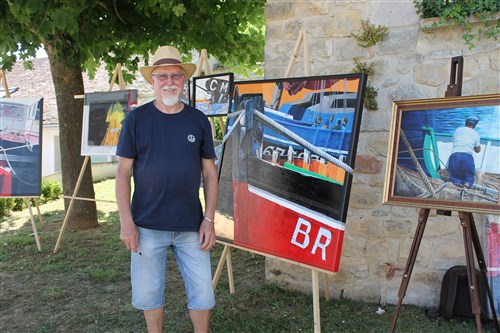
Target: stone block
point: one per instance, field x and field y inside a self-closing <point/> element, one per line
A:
<point x="367" y="164"/>
<point x="278" y="10"/>
<point x="399" y="41"/>
<point x="432" y="74"/>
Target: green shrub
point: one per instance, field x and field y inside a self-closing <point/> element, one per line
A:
<point x="461" y="14"/>
<point x="51" y="190"/>
<point x="370" y="34"/>
<point x="6" y="205"/>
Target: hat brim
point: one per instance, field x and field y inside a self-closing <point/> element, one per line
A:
<point x="147" y="71"/>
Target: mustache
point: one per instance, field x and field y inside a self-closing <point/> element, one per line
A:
<point x="169" y="88"/>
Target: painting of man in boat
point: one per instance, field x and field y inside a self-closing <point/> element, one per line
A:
<point x="20" y="153"/>
<point x="287" y="166"/>
<point x="103" y="114"/>
<point x="445" y="154"/>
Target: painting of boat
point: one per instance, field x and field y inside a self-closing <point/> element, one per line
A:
<point x="212" y="93"/>
<point x="20" y="153"/>
<point x="424" y="142"/>
<point x="289" y="167"/>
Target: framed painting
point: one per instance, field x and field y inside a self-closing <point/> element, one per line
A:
<point x="103" y="114"/>
<point x="444" y="153"/>
<point x="212" y="93"/>
<point x="20" y="146"/>
<point x="285" y="174"/>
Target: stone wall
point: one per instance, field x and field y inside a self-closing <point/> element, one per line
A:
<point x="413" y="62"/>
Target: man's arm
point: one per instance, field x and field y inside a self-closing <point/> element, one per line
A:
<point x="210" y="190"/>
<point x="128" y="229"/>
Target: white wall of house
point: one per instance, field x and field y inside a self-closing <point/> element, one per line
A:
<point x="51" y="156"/>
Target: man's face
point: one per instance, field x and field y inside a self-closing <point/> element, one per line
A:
<point x="168" y="83"/>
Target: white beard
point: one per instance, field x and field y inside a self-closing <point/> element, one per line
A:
<point x="170" y="100"/>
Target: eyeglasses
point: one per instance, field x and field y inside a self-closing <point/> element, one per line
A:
<point x="173" y="77"/>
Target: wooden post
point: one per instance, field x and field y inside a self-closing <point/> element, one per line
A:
<point x="316" y="310"/>
<point x="225" y="257"/>
<point x="35" y="232"/>
<point x="4" y="79"/>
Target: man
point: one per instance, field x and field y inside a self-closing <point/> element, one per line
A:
<point x="166" y="145"/>
<point x="466" y="141"/>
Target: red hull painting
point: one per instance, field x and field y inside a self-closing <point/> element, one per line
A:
<point x="267" y="223"/>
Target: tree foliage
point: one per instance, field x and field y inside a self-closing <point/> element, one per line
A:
<point x="79" y="35"/>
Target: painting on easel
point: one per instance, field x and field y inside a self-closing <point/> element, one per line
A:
<point x="444" y="154"/>
<point x="20" y="142"/>
<point x="212" y="94"/>
<point x="103" y="114"/>
<point x="286" y="168"/>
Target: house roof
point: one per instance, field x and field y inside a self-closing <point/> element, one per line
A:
<point x="38" y="82"/>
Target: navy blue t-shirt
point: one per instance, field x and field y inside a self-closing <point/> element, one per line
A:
<point x="167" y="151"/>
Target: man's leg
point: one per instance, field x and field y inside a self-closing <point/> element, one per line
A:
<point x="200" y="319"/>
<point x="154" y="320"/>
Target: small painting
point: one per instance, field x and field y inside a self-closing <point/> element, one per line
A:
<point x="103" y="114"/>
<point x="444" y="153"/>
<point x="212" y="94"/>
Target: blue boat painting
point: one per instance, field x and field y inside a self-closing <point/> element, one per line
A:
<point x="423" y="135"/>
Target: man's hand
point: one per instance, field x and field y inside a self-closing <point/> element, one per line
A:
<point x="207" y="235"/>
<point x="129" y="235"/>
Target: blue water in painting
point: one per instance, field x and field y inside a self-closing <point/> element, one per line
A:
<point x="445" y="121"/>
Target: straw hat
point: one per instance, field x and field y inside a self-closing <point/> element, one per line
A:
<point x="167" y="56"/>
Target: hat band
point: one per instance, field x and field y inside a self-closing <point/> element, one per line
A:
<point x="166" y="61"/>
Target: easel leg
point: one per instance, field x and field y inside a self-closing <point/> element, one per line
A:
<point x="40" y="220"/>
<point x="419" y="232"/>
<point x="225" y="257"/>
<point x="482" y="268"/>
<point x="71" y="202"/>
<point x="35" y="232"/>
<point x="315" y="292"/>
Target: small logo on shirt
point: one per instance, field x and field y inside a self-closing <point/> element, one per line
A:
<point x="191" y="138"/>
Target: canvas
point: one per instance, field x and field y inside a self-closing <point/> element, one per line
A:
<point x="103" y="114"/>
<point x="423" y="136"/>
<point x="283" y="189"/>
<point x="20" y="142"/>
<point x="212" y="93"/>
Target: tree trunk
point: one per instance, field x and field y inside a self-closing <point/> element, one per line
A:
<point x="68" y="82"/>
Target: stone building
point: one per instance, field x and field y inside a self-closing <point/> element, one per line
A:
<point x="413" y="62"/>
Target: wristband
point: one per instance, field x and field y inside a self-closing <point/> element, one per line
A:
<point x="209" y="220"/>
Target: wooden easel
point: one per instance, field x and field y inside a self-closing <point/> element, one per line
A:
<point x="117" y="74"/>
<point x="226" y="254"/>
<point x="203" y="62"/>
<point x="471" y="239"/>
<point x="3" y="78"/>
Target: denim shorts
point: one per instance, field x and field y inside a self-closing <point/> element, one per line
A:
<point x="148" y="269"/>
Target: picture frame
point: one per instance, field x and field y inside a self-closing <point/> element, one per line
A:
<point x="103" y="113"/>
<point x="212" y="93"/>
<point x="281" y="194"/>
<point x="20" y="146"/>
<point x="418" y="172"/>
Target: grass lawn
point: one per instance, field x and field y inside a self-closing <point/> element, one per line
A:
<point x="85" y="287"/>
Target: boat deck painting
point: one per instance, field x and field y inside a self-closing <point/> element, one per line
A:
<point x="422" y="142"/>
<point x="286" y="169"/>
<point x="20" y="153"/>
